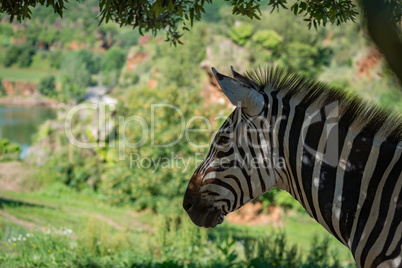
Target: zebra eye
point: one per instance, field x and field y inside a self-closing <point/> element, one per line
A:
<point x="222" y="140"/>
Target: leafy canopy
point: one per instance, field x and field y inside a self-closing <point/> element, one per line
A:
<point x="174" y="16"/>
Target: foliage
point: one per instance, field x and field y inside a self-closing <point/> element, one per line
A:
<point x="113" y="60"/>
<point x="241" y="33"/>
<point x="126" y="38"/>
<point x="8" y="150"/>
<point x="6" y="30"/>
<point x="333" y="11"/>
<point x="6" y="34"/>
<point x="272" y="251"/>
<point x="55" y="58"/>
<point x="174" y="242"/>
<point x="25" y="58"/>
<point x="179" y="67"/>
<point x="20" y="54"/>
<point x="280" y="198"/>
<point x="390" y="96"/>
<point x="47" y="86"/>
<point x="73" y="90"/>
<point x="320" y="255"/>
<point x="89" y="60"/>
<point x="154" y="173"/>
<point x="301" y="58"/>
<point x="77" y="67"/>
<point x="3" y="91"/>
<point x="268" y="39"/>
<point x="171" y="15"/>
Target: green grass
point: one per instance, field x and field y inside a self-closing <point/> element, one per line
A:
<point x="300" y="229"/>
<point x="77" y="230"/>
<point x="26" y="75"/>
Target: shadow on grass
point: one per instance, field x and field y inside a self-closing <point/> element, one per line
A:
<point x="4" y="202"/>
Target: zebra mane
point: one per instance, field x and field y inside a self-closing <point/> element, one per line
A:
<point x="356" y="111"/>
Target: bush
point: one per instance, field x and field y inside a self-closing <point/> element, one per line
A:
<point x="90" y="61"/>
<point x="6" y="29"/>
<point x="268" y="39"/>
<point x="280" y="198"/>
<point x="55" y="58"/>
<point x="301" y="58"/>
<point x="113" y="60"/>
<point x="9" y="151"/>
<point x="11" y="56"/>
<point x="77" y="67"/>
<point x="391" y="98"/>
<point x="241" y="34"/>
<point x="26" y="54"/>
<point x="47" y="86"/>
<point x="22" y="55"/>
<point x="3" y="91"/>
<point x="145" y="183"/>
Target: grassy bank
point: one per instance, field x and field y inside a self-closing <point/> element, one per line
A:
<point x="26" y="75"/>
<point x="59" y="227"/>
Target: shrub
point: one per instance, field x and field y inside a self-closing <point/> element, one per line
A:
<point x="281" y="198"/>
<point x="11" y="56"/>
<point x="113" y="60"/>
<point x="20" y="54"/>
<point x="2" y="89"/>
<point x="47" y="86"/>
<point x="77" y="67"/>
<point x="89" y="60"/>
<point x="145" y="183"/>
<point x="301" y="58"/>
<point x="55" y="58"/>
<point x="26" y="54"/>
<point x="6" y="29"/>
<point x="268" y="39"/>
<point x="240" y="34"/>
<point x="9" y="151"/>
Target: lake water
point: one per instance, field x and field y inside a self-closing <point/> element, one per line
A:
<point x="19" y="124"/>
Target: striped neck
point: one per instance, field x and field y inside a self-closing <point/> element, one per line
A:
<point x="336" y="166"/>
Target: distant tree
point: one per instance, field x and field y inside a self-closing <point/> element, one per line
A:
<point x="302" y="58"/>
<point x="170" y="15"/>
<point x="26" y="54"/>
<point x="6" y="30"/>
<point x="19" y="54"/>
<point x="2" y="89"/>
<point x="77" y="67"/>
<point x="241" y="33"/>
<point x="89" y="60"/>
<point x="11" y="56"/>
<point x="8" y="150"/>
<point x="268" y="39"/>
<point x="47" y="86"/>
<point x="113" y="60"/>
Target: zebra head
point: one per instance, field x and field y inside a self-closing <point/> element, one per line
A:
<point x="230" y="175"/>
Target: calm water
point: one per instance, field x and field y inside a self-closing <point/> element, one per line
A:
<point x="19" y="124"/>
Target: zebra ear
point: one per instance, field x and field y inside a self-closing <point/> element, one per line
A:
<point x="240" y="94"/>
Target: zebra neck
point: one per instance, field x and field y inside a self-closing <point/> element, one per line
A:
<point x="336" y="166"/>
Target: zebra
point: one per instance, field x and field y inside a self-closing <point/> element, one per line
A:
<point x="336" y="154"/>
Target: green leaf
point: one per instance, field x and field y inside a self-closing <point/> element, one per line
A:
<point x="295" y="8"/>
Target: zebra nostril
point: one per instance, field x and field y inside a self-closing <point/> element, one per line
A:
<point x="187" y="206"/>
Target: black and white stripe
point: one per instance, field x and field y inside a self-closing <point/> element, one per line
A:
<point x="342" y="160"/>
